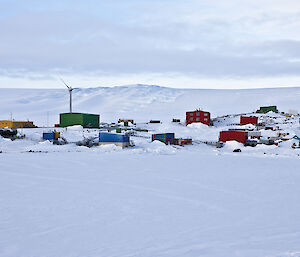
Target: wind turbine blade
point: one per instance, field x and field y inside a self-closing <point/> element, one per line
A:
<point x="65" y="83"/>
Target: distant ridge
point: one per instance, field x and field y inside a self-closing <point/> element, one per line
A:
<point x="141" y="102"/>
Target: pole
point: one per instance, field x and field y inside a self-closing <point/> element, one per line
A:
<point x="70" y="91"/>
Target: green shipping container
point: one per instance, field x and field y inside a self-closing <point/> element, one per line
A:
<point x="86" y="120"/>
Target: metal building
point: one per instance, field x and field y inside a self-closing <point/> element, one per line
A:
<point x="266" y="109"/>
<point x="86" y="120"/>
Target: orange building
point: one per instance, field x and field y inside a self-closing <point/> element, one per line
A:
<point x="16" y="124"/>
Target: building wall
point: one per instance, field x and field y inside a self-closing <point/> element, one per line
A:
<point x="198" y="116"/>
<point x="5" y="123"/>
<point x="107" y="137"/>
<point x="248" y="120"/>
<point x="239" y="136"/>
<point x="266" y="109"/>
<point x="70" y="119"/>
<point x="91" y="120"/>
<point x="16" y="124"/>
<point x="84" y="119"/>
<point x="23" y="124"/>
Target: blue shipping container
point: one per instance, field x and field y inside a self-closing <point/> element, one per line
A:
<point x="49" y="136"/>
<point x="105" y="137"/>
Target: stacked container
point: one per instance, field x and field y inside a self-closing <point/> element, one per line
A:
<point x="167" y="138"/>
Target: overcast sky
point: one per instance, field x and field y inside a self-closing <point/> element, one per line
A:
<point x="187" y="44"/>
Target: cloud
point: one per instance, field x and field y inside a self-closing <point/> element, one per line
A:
<point x="211" y="39"/>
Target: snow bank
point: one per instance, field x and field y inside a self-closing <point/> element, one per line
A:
<point x="232" y="145"/>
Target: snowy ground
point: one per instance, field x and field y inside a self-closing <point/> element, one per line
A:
<point x="123" y="204"/>
<point x="151" y="200"/>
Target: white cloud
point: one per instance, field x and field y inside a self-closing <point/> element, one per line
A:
<point x="201" y="40"/>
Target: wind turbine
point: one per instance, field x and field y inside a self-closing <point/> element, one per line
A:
<point x="70" y="89"/>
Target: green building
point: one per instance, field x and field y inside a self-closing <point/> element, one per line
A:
<point x="266" y="109"/>
<point x="86" y="120"/>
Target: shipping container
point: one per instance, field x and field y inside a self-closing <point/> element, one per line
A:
<point x="266" y="141"/>
<point x="254" y="134"/>
<point x="84" y="119"/>
<point x="112" y="138"/>
<point x="51" y="135"/>
<point x="164" y="137"/>
<point x="183" y="141"/>
<point x="248" y="120"/>
<point x="233" y="135"/>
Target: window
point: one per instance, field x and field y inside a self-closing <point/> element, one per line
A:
<point x="197" y="119"/>
<point x="198" y="114"/>
<point x="191" y="119"/>
<point x="205" y="114"/>
<point x="191" y="114"/>
<point x="205" y="119"/>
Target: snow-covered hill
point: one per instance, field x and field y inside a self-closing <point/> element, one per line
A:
<point x="140" y="102"/>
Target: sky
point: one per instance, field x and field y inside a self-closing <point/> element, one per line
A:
<point x="180" y="44"/>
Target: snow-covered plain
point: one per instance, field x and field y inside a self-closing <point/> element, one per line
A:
<point x="152" y="199"/>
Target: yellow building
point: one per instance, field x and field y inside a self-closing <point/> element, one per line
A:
<point x="16" y="124"/>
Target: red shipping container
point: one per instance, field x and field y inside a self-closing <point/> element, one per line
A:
<point x="198" y="116"/>
<point x="248" y="120"/>
<point x="233" y="135"/>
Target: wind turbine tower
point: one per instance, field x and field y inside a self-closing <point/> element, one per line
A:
<point x="70" y="89"/>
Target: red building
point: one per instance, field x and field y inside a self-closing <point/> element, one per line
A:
<point x="233" y="135"/>
<point x="198" y="116"/>
<point x="248" y="120"/>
